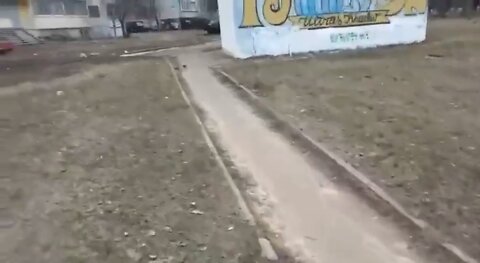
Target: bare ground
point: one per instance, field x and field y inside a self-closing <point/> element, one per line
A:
<point x="406" y="116"/>
<point x="108" y="165"/>
<point x="44" y="61"/>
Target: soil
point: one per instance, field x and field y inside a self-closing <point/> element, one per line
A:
<point x="108" y="165"/>
<point x="406" y="116"/>
<point x="41" y="62"/>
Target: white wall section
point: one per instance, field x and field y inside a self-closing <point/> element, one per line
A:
<point x="274" y="27"/>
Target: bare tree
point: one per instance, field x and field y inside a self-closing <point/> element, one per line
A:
<point x="122" y="8"/>
<point x="443" y="6"/>
<point x="468" y="8"/>
<point x="154" y="12"/>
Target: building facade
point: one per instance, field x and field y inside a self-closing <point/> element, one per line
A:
<point x="90" y="18"/>
<point x="68" y="18"/>
<point x="191" y="13"/>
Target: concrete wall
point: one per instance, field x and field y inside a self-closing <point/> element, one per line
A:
<point x="9" y="14"/>
<point x="273" y="27"/>
<point x="229" y="29"/>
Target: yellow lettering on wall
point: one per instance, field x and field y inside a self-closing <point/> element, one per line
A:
<point x="394" y="7"/>
<point x="413" y="7"/>
<point x="409" y="7"/>
<point x="276" y="12"/>
<point x="250" y="15"/>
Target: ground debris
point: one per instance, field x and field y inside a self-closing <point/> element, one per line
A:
<point x="164" y="260"/>
<point x="151" y="233"/>
<point x="181" y="244"/>
<point x="267" y="250"/>
<point x="434" y="56"/>
<point x="134" y="255"/>
<point x="197" y="212"/>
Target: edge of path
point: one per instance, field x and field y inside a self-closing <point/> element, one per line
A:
<point x="337" y="169"/>
<point x="272" y="252"/>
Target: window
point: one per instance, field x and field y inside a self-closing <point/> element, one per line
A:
<point x="93" y="11"/>
<point x="189" y="5"/>
<point x="212" y="5"/>
<point x="61" y="7"/>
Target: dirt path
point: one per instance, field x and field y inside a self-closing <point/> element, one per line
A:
<point x="406" y="116"/>
<point x="110" y="166"/>
<point x="318" y="221"/>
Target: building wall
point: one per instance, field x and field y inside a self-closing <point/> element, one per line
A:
<point x="201" y="11"/>
<point x="228" y="28"/>
<point x="9" y="14"/>
<point x="273" y="27"/>
<point x="71" y="26"/>
<point x="206" y="8"/>
<point x="168" y="9"/>
<point x="70" y="21"/>
<point x="171" y="9"/>
<point x="21" y="13"/>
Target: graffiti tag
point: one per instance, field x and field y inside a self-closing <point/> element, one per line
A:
<point x="348" y="37"/>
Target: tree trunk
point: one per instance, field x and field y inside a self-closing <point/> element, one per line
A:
<point x="124" y="29"/>
<point x="468" y="8"/>
<point x="114" y="24"/>
<point x="154" y="11"/>
<point x="443" y="7"/>
<point x="158" y="22"/>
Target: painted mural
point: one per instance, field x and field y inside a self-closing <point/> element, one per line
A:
<point x="276" y="27"/>
<point x="316" y="14"/>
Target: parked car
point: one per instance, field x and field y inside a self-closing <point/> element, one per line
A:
<point x="169" y="24"/>
<point x="137" y="26"/>
<point x="5" y="45"/>
<point x="213" y="25"/>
